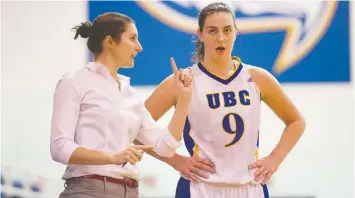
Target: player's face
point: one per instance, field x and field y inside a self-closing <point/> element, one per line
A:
<point x="218" y="35"/>
<point x="128" y="47"/>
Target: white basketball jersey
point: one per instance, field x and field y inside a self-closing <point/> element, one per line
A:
<point x="223" y="123"/>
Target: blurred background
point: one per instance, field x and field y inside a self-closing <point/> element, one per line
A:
<point x="305" y="44"/>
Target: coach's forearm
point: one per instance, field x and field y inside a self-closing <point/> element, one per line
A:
<point x="177" y="123"/>
<point x="168" y="160"/>
<point x="289" y="138"/>
<point x="83" y="156"/>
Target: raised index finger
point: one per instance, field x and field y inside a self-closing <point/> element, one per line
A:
<point x="173" y="66"/>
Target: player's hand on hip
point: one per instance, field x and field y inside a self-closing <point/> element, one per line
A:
<point x="183" y="83"/>
<point x="191" y="167"/>
<point x="132" y="154"/>
<point x="265" y="168"/>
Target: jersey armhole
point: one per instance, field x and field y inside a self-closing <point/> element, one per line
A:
<point x="258" y="92"/>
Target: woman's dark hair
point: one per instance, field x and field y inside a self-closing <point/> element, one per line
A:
<point x="206" y="11"/>
<point x="107" y="24"/>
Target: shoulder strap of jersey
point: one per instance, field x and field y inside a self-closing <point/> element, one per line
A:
<point x="250" y="79"/>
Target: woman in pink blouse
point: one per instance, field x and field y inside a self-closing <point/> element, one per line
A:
<point x="97" y="115"/>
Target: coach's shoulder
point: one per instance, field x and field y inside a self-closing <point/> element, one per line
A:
<point x="71" y="80"/>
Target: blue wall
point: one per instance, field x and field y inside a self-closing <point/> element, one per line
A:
<point x="327" y="61"/>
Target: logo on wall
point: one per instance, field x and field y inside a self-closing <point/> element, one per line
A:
<point x="305" y="22"/>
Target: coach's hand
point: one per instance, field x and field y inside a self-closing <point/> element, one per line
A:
<point x="190" y="167"/>
<point x="132" y="155"/>
<point x="265" y="168"/>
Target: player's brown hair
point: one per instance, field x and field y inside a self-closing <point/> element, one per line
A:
<point x="108" y="24"/>
<point x="206" y="11"/>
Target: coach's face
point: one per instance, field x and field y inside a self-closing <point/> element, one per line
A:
<point x="128" y="46"/>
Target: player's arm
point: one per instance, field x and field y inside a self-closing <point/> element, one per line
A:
<point x="158" y="103"/>
<point x="162" y="98"/>
<point x="275" y="97"/>
<point x="167" y="142"/>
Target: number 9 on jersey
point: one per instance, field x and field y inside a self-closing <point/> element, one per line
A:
<point x="237" y="130"/>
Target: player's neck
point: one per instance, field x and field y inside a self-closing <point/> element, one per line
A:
<point x="220" y="67"/>
<point x="109" y="63"/>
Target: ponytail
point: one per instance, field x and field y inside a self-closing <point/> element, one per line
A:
<point x="199" y="52"/>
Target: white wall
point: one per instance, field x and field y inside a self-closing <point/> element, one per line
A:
<point x="38" y="47"/>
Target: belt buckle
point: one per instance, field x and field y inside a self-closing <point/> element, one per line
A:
<point x="131" y="182"/>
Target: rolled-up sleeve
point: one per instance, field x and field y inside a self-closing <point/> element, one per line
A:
<point x="65" y="114"/>
<point x="151" y="133"/>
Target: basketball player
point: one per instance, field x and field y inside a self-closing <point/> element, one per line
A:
<point x="224" y="116"/>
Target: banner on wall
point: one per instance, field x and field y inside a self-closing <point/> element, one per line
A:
<point x="306" y="41"/>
